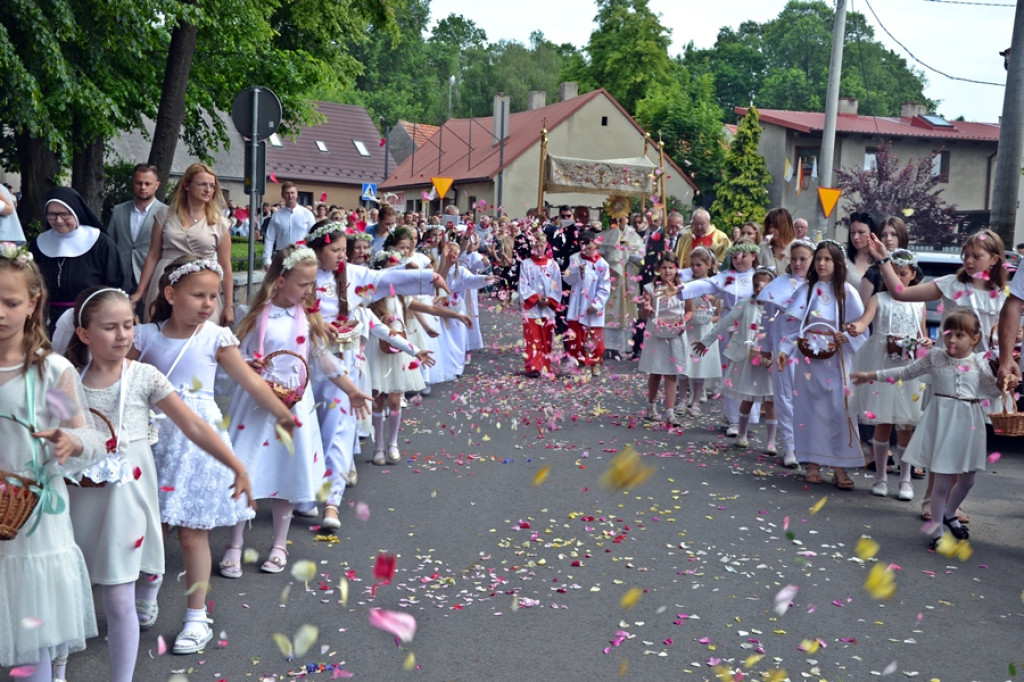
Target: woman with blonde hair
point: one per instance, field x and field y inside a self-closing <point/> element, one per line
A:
<point x="194" y="225"/>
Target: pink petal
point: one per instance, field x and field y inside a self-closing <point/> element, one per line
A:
<point x="362" y="511"/>
<point x="161" y="646"/>
<point x="401" y="625"/>
<point x="23" y="671"/>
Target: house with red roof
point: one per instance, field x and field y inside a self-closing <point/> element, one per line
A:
<point x="965" y="164"/>
<point x="335" y="157"/>
<point x="502" y="167"/>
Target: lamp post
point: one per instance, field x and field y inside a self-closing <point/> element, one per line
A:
<point x="451" y="85"/>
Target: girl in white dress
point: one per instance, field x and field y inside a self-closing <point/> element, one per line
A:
<point x="284" y="317"/>
<point x="825" y="424"/>
<point x="476" y="263"/>
<point x="42" y="571"/>
<point x="391" y="373"/>
<point x="897" y="333"/>
<point x="746" y="379"/>
<point x="187" y="348"/>
<point x="117" y="524"/>
<point x="729" y="286"/>
<point x="665" y="344"/>
<point x="701" y="313"/>
<point x="454" y="337"/>
<point x="950" y="438"/>
<point x="777" y="297"/>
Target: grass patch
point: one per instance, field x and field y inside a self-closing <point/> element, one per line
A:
<point x="240" y="254"/>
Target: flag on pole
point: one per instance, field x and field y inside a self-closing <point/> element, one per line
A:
<point x="814" y="169"/>
<point x="799" y="175"/>
<point x="788" y="173"/>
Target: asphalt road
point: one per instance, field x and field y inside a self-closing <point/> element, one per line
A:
<point x="518" y="564"/>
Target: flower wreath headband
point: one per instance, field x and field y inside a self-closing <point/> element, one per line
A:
<point x="382" y="258"/>
<point x="300" y="254"/>
<point x="833" y="242"/>
<point x="806" y="243"/>
<point x="12" y="252"/>
<point x="193" y="267"/>
<point x="745" y="247"/>
<point x="361" y="237"/>
<point x="85" y="303"/>
<point x="324" y="232"/>
<point x="902" y="258"/>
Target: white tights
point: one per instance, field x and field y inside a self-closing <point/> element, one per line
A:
<point x="43" y="670"/>
<point x="122" y="629"/>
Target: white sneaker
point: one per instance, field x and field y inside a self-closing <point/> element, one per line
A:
<point x="906" y="492"/>
<point x="652" y="414"/>
<point x="312" y="513"/>
<point x="742" y="442"/>
<point x="670" y="418"/>
<point x="789" y="460"/>
<point x="771" y="449"/>
<point x="703" y="397"/>
<point x="880" y="489"/>
<point x="192" y="641"/>
<point x="694" y="410"/>
<point x="733" y="430"/>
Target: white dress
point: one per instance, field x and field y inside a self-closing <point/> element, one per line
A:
<point x="746" y="377"/>
<point x="476" y="263"/>
<point x="777" y="296"/>
<point x="709" y="365"/>
<point x="111" y="521"/>
<point x="986" y="303"/>
<point x="664" y="356"/>
<point x="194" y="487"/>
<point x="454" y="335"/>
<point x="393" y="371"/>
<point x="882" y="402"/>
<point x="824" y="423"/>
<point x="275" y="472"/>
<point x="950" y="438"/>
<point x="43" y="574"/>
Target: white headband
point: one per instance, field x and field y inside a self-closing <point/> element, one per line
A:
<point x="93" y="295"/>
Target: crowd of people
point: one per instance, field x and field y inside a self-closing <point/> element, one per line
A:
<point x="360" y="313"/>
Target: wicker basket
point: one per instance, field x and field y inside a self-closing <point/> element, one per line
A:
<point x="804" y="344"/>
<point x="1007" y="423"/>
<point x="85" y="481"/>
<point x="17" y="502"/>
<point x="289" y="396"/>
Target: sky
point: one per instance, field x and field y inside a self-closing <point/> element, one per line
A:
<point x="962" y="38"/>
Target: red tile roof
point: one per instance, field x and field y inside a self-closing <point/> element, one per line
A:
<point x="301" y="160"/>
<point x="882" y="126"/>
<point x="480" y="162"/>
<point x="419" y="132"/>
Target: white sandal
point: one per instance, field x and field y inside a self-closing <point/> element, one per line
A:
<point x="394" y="454"/>
<point x="275" y="564"/>
<point x="193" y="641"/>
<point x="231" y="569"/>
<point x="148" y="612"/>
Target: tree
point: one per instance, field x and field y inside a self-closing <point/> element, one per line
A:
<point x="687" y="119"/>
<point x="783" y="64"/>
<point x="742" y="195"/>
<point x="912" y="191"/>
<point x="627" y="53"/>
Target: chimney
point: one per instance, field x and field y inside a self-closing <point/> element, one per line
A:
<point x="912" y="109"/>
<point x="568" y="90"/>
<point x="501" y="104"/>
<point x="536" y="99"/>
<point x="847" y="106"/>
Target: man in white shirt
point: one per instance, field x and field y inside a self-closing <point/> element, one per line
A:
<point x="289" y="224"/>
<point x="131" y="223"/>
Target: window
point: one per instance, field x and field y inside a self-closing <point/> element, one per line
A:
<point x="275" y="140"/>
<point x="940" y="166"/>
<point x="938" y="121"/>
<point x="807" y="165"/>
<point x="870" y="160"/>
<point x="306" y="199"/>
<point x="361" y="148"/>
<point x="604" y="121"/>
<point x="322" y="146"/>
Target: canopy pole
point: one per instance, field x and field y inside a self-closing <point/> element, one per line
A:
<point x="543" y="161"/>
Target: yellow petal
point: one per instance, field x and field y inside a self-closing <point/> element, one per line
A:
<point x="963" y="550"/>
<point x="196" y="385"/>
<point x="623" y="667"/>
<point x="880" y="583"/>
<point x="809" y="646"/>
<point x="201" y="585"/>
<point x="947" y="545"/>
<point x="324" y="492"/>
<point x="285" y="439"/>
<point x="542" y="474"/>
<point x="818" y="505"/>
<point x="284" y="594"/>
<point x="250" y="556"/>
<point x="304" y="570"/>
<point x="410" y="662"/>
<point x="752" y="660"/>
<point x="866" y="548"/>
<point x="305" y="638"/>
<point x="631" y="597"/>
<point x="283" y="644"/>
<point x="343" y="590"/>
<point x="626" y="470"/>
<point x="224" y="423"/>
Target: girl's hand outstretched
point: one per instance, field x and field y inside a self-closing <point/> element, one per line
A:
<point x="243" y="485"/>
<point x="64" y="446"/>
<point x="466" y="320"/>
<point x="862" y="377"/>
<point x="781" y="360"/>
<point x="360" y="403"/>
<point x="699" y="348"/>
<point x="426" y="357"/>
<point x="855" y="328"/>
<point x="287" y="424"/>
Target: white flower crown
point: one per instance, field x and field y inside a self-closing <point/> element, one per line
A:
<point x="19" y="254"/>
<point x="326" y="229"/>
<point x="297" y="256"/>
<point x="193" y="267"/>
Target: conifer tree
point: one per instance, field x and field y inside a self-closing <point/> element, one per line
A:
<point x="742" y="194"/>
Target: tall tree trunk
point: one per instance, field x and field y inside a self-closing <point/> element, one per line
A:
<point x="39" y="171"/>
<point x="87" y="174"/>
<point x="171" y="114"/>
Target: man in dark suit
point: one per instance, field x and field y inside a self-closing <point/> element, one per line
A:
<point x="131" y="223"/>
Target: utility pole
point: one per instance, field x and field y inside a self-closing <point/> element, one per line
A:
<point x="1006" y="184"/>
<point x="828" y="135"/>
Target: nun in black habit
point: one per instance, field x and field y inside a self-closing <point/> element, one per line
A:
<point x="74" y="254"/>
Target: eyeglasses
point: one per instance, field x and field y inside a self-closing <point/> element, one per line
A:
<point x="205" y="185"/>
<point x="57" y="217"/>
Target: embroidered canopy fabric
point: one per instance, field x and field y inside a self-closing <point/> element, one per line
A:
<point x="627" y="177"/>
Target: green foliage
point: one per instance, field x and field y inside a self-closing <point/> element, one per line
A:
<point x="742" y="195"/>
<point x="627" y="53"/>
<point x="684" y="113"/>
<point x="117" y="186"/>
<point x="784" y="62"/>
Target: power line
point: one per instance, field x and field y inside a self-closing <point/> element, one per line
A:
<point x="977" y="4"/>
<point x="914" y="57"/>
